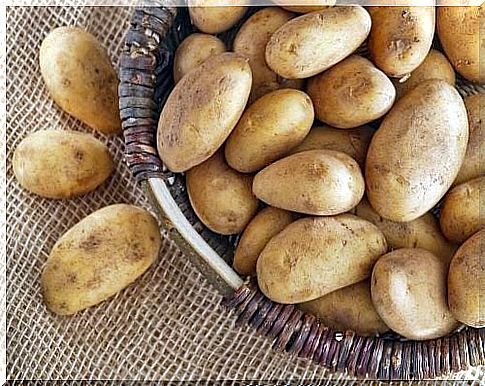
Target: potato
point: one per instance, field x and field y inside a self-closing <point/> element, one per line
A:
<point x="416" y="153"/>
<point x="214" y="19"/>
<point x="408" y="288"/>
<point x="463" y="210"/>
<point x="193" y="51"/>
<point x="351" y="93"/>
<point x="400" y="38"/>
<point x="318" y="182"/>
<point x="314" y="256"/>
<point x="349" y="308"/>
<point x="460" y="35"/>
<point x="80" y="78"/>
<point x="309" y="44"/>
<point x="202" y="110"/>
<point x="466" y="279"/>
<point x="61" y="164"/>
<point x="474" y="163"/>
<point x="304" y="8"/>
<point x="266" y="224"/>
<point x="98" y="257"/>
<point x="269" y="129"/>
<point x="251" y="41"/>
<point x="221" y="197"/>
<point x="353" y="142"/>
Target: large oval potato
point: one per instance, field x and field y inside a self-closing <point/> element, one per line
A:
<point x="408" y="288"/>
<point x="266" y="224"/>
<point x="349" y="308"/>
<point x="214" y="19"/>
<point x="80" y="77"/>
<point x="466" y="295"/>
<point x="269" y="129"/>
<point x="61" y="164"/>
<point x="98" y="257"/>
<point x="311" y="43"/>
<point x="193" y="51"/>
<point x="463" y="210"/>
<point x="202" y="110"/>
<point x="318" y="182"/>
<point x="221" y="197"/>
<point x="416" y="153"/>
<point x="401" y="37"/>
<point x="352" y="93"/>
<point x="314" y="256"/>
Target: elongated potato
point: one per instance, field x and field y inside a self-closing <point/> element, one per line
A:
<point x="314" y="256"/>
<point x="98" y="257"/>
<point x="349" y="308"/>
<point x="214" y="19"/>
<point x="221" y="197"/>
<point x="352" y="93"/>
<point x="318" y="182"/>
<point x="311" y="43"/>
<point x="80" y="77"/>
<point x="401" y="37"/>
<point x="266" y="224"/>
<point x="269" y="129"/>
<point x="61" y="164"/>
<point x="416" y="153"/>
<point x="202" y="110"/>
<point x="463" y="210"/>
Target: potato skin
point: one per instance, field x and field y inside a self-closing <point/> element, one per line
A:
<point x="221" y="197"/>
<point x="314" y="256"/>
<point x="266" y="224"/>
<point x="98" y="257"/>
<point x="80" y="78"/>
<point x="193" y="51"/>
<point x="312" y="43"/>
<point x="416" y="153"/>
<point x="304" y="8"/>
<point x="269" y="129"/>
<point x="214" y="20"/>
<point x="408" y="288"/>
<point x="317" y="182"/>
<point x="348" y="308"/>
<point x="466" y="294"/>
<point x="400" y="38"/>
<point x="463" y="210"/>
<point x="194" y="121"/>
<point x="351" y="93"/>
<point x="61" y="164"/>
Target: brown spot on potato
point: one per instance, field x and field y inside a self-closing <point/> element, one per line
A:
<point x="90" y="243"/>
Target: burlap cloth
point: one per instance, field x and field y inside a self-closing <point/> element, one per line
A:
<point x="170" y="324"/>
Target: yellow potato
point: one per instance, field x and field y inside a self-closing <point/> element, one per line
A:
<point x="302" y="8"/>
<point x="416" y="153"/>
<point x="352" y="93"/>
<point x="214" y="19"/>
<point x="314" y="256"/>
<point x="61" y="164"/>
<point x="98" y="257"/>
<point x="80" y="78"/>
<point x="269" y="129"/>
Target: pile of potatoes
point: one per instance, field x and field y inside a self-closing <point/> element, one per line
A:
<point x="328" y="163"/>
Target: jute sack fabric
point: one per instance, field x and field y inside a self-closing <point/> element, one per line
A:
<point x="168" y="325"/>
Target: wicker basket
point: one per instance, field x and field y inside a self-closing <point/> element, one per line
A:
<point x="146" y="81"/>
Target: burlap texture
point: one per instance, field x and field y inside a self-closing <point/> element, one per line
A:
<point x="170" y="324"/>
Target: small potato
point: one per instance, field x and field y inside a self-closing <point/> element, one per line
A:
<point x="214" y="19"/>
<point x="466" y="279"/>
<point x="318" y="182"/>
<point x="463" y="210"/>
<point x="314" y="256"/>
<point x="98" y="257"/>
<point x="221" y="197"/>
<point x="269" y="129"/>
<point x="312" y="43"/>
<point x="352" y="93"/>
<point x="61" y="164"/>
<point x="266" y="224"/>
<point x="349" y="308"/>
<point x="408" y="288"/>
<point x="193" y="51"/>
<point x="80" y="78"/>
